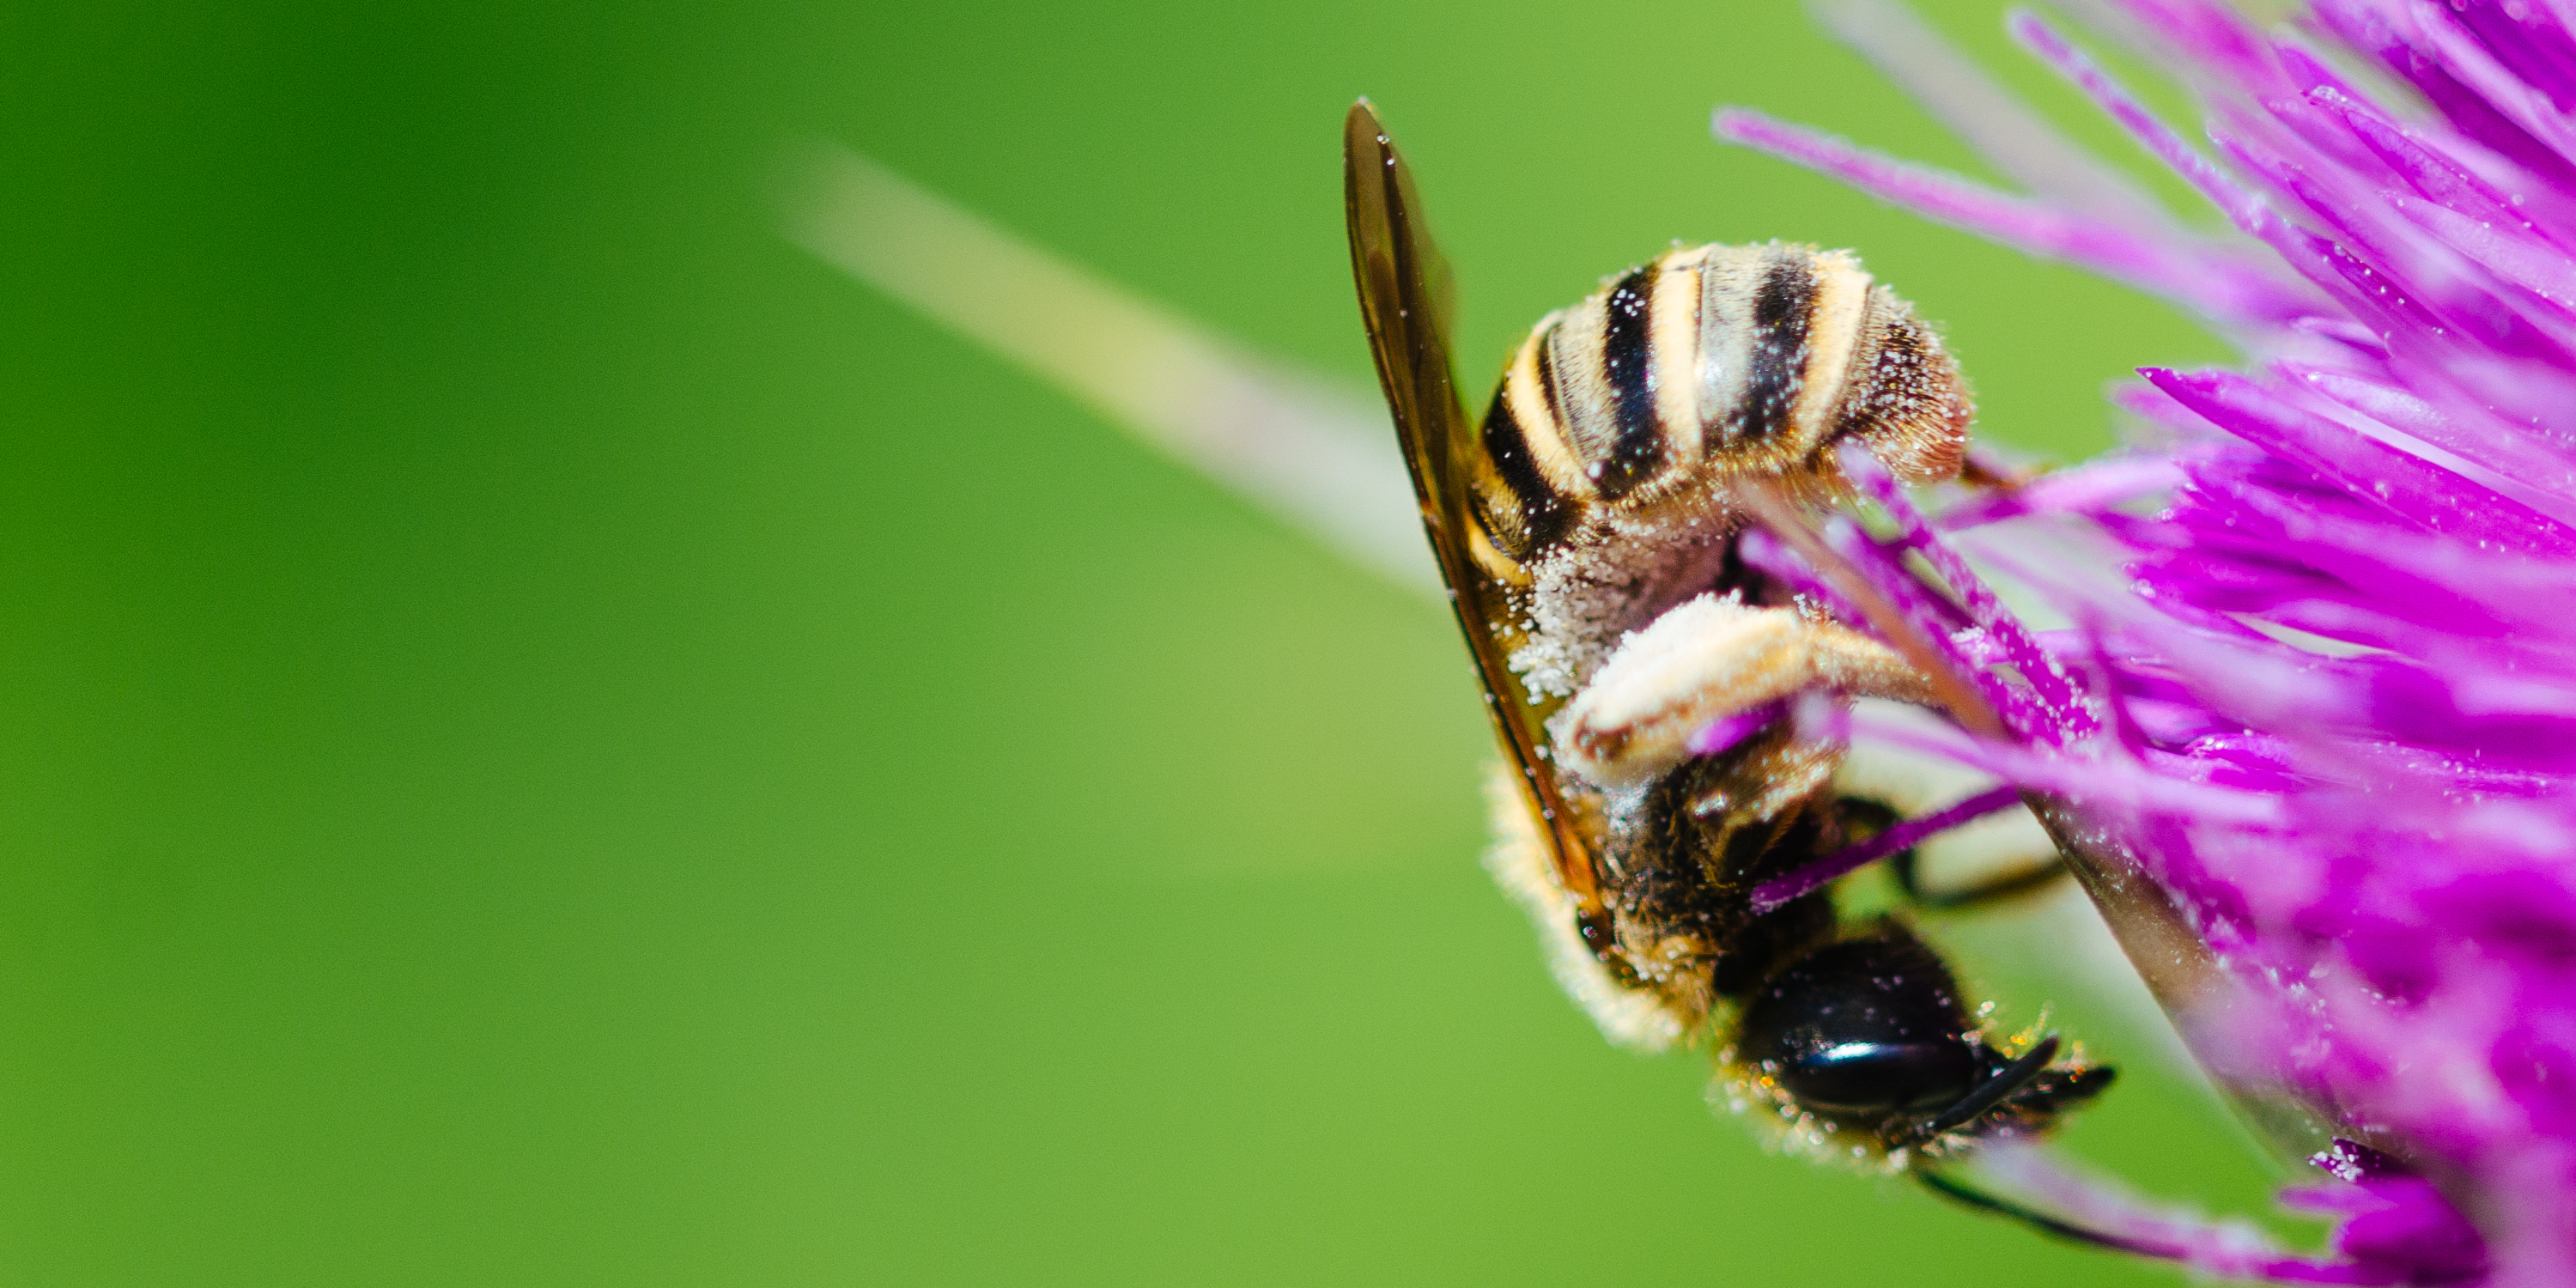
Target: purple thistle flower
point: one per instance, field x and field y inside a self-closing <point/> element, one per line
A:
<point x="2324" y="698"/>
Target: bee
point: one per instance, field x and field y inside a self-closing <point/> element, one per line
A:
<point x="1589" y="529"/>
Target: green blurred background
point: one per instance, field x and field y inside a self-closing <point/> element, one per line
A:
<point x="548" y="737"/>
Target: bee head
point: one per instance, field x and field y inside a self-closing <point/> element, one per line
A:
<point x="1871" y="1031"/>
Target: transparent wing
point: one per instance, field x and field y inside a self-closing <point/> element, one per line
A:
<point x="1405" y="297"/>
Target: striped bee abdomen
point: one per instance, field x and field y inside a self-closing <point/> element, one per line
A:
<point x="1710" y="361"/>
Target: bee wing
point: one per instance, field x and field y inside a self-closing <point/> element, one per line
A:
<point x="1405" y="297"/>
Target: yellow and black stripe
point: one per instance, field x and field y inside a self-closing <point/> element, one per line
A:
<point x="1709" y="361"/>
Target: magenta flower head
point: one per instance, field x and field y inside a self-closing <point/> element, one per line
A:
<point x="2309" y="725"/>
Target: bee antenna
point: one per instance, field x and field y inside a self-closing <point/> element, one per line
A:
<point x="1981" y="1201"/>
<point x="2007" y="1080"/>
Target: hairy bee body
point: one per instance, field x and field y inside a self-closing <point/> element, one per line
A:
<point x="1601" y="492"/>
<point x="1680" y="858"/>
<point x="1590" y="529"/>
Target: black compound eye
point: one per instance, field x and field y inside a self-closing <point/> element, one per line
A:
<point x="1865" y="1026"/>
<point x="1881" y="1077"/>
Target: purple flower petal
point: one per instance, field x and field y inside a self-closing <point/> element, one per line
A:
<point x="1723" y="733"/>
<point x="2325" y="695"/>
<point x="2192" y="277"/>
<point x="1851" y="858"/>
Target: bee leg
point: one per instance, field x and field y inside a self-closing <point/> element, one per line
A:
<point x="1979" y="1200"/>
<point x="1705" y="659"/>
<point x="2028" y="1083"/>
<point x="2001" y="888"/>
<point x="1979" y="468"/>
